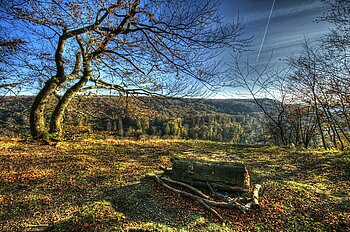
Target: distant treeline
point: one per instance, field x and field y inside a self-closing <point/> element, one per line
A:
<point x="218" y="120"/>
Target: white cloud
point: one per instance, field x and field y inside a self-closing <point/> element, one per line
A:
<point x="281" y="11"/>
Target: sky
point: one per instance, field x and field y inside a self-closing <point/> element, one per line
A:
<point x="291" y="22"/>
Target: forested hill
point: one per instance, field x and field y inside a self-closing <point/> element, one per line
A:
<point x="235" y="106"/>
<point x="237" y="120"/>
<point x="227" y="106"/>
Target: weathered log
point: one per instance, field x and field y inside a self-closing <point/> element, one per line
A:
<point x="227" y="176"/>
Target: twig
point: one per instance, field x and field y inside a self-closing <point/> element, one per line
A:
<point x="39" y="227"/>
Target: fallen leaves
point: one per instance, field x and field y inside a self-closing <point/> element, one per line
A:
<point x="96" y="184"/>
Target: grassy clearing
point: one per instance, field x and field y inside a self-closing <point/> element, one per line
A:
<point x="99" y="185"/>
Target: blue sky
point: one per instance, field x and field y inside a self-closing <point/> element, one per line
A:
<point x="292" y="21"/>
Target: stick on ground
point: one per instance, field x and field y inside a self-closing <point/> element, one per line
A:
<point x="195" y="190"/>
<point x="228" y="205"/>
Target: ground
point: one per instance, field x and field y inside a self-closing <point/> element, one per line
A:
<point x="101" y="185"/>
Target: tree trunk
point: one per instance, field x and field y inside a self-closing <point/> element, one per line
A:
<point x="58" y="113"/>
<point x="227" y="176"/>
<point x="37" y="113"/>
<point x="318" y="119"/>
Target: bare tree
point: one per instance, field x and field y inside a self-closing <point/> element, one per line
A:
<point x="151" y="47"/>
<point x="313" y="97"/>
<point x="302" y="121"/>
<point x="316" y="85"/>
<point x="306" y="82"/>
<point x="321" y="76"/>
<point x="268" y="89"/>
<point x="338" y="14"/>
<point x="288" y="119"/>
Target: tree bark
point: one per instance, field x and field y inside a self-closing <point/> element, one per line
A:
<point x="37" y="113"/>
<point x="58" y="113"/>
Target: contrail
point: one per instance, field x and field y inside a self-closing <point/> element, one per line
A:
<point x="267" y="26"/>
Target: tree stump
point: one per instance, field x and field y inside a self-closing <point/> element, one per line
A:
<point x="227" y="176"/>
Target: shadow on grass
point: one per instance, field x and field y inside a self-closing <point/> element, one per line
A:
<point x="144" y="202"/>
<point x="136" y="207"/>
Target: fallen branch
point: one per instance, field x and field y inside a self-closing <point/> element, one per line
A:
<point x="201" y="200"/>
<point x="219" y="186"/>
<point x="208" y="203"/>
<point x="211" y="209"/>
<point x="195" y="190"/>
<point x="221" y="196"/>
